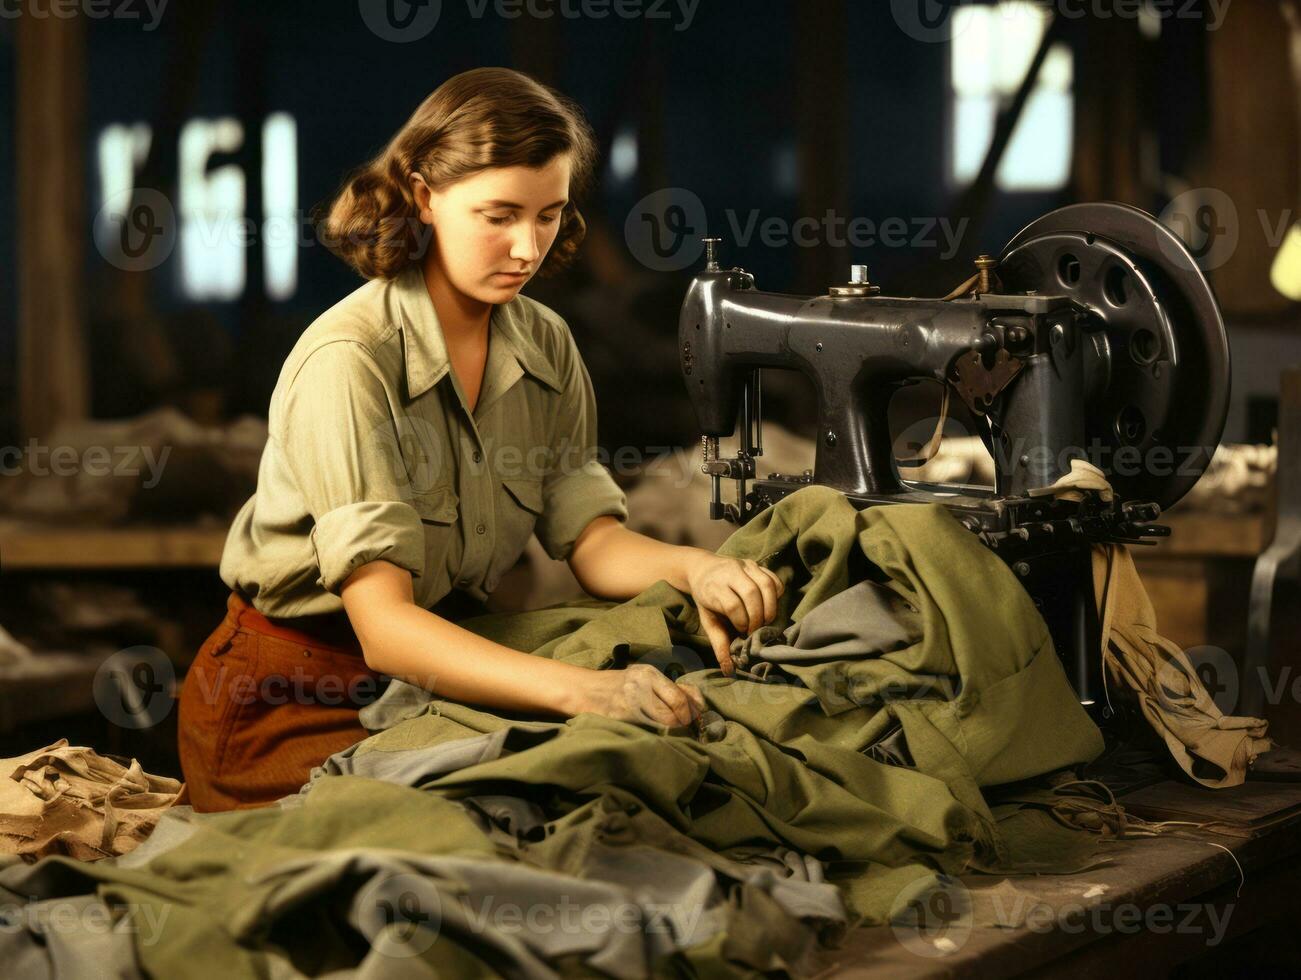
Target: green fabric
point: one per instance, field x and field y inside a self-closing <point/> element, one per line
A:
<point x="981" y="701"/>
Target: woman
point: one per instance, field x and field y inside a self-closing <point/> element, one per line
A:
<point x="420" y="431"/>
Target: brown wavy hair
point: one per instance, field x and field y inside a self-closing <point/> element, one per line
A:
<point x="479" y="119"/>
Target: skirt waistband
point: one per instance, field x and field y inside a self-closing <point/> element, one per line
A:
<point x="333" y="630"/>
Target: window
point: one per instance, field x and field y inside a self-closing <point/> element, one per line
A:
<point x="991" y="49"/>
<point x="210" y="211"/>
<point x="280" y="204"/>
<point x="623" y="155"/>
<point x="210" y="206"/>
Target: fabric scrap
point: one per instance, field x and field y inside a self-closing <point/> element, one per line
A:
<point x="69" y="799"/>
<point x="1213" y="748"/>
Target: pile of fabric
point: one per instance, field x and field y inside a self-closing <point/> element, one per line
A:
<point x="69" y="799"/>
<point x="914" y="725"/>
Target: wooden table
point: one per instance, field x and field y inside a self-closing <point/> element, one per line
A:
<point x="1161" y="901"/>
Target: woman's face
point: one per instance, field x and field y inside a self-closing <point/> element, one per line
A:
<point x="493" y="229"/>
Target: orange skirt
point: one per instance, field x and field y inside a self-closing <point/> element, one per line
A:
<point x="264" y="702"/>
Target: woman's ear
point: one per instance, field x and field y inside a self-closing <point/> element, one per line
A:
<point x="422" y="194"/>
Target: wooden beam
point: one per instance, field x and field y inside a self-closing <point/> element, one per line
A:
<point x="53" y="371"/>
<point x="28" y="547"/>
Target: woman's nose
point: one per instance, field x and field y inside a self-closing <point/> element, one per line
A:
<point x="524" y="248"/>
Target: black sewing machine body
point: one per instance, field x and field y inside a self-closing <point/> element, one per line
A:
<point x="1102" y="342"/>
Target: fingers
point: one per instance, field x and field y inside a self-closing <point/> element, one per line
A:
<point x="681" y="708"/>
<point x="747" y="589"/>
<point x="642" y="702"/>
<point x="718" y="639"/>
<point x="739" y="599"/>
<point x="697" y="699"/>
<point x="769" y="588"/>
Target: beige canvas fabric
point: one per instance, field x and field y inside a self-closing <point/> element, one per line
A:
<point x="373" y="454"/>
<point x="1213" y="748"/>
<point x="68" y="799"/>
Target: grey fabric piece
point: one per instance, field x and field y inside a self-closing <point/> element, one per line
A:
<point x="865" y="620"/>
<point x="74" y="938"/>
<point x="684" y="891"/>
<point x="520" y="819"/>
<point x="681" y="890"/>
<point x="80" y="936"/>
<point x="408" y="900"/>
<point x="23" y="956"/>
<point x="412" y="767"/>
<point x="20" y="952"/>
<point x="796" y="881"/>
<point x="527" y="915"/>
<point x="398" y="702"/>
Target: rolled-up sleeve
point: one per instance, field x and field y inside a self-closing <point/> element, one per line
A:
<point x="577" y="489"/>
<point x="337" y="435"/>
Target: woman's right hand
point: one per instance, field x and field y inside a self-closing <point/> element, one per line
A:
<point x="640" y="694"/>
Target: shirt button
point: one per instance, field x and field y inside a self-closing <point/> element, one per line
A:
<point x="481" y="529"/>
<point x="464" y="583"/>
<point x="478" y="456"/>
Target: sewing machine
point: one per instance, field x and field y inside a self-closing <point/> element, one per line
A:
<point x="1094" y="336"/>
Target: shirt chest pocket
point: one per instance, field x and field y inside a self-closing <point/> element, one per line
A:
<point x="518" y="504"/>
<point x="439" y="511"/>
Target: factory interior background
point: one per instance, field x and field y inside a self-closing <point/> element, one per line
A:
<point x="162" y="165"/>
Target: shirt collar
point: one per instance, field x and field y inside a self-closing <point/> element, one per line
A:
<point x="512" y="349"/>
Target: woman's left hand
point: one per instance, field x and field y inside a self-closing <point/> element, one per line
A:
<point x="734" y="592"/>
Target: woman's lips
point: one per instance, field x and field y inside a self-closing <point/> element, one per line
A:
<point x="513" y="275"/>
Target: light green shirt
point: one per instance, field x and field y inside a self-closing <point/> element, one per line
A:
<point x="373" y="455"/>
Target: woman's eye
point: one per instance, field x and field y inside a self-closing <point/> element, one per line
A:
<point x="546" y="219"/>
<point x="497" y="219"/>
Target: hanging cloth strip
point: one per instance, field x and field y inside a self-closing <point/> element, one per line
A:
<point x="1213" y="748"/>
